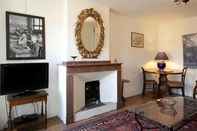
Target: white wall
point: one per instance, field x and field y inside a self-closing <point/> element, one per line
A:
<point x="61" y="17"/>
<point x="62" y="93"/>
<point x="55" y="13"/>
<point x="59" y="44"/>
<point x="132" y="58"/>
<point x="75" y="7"/>
<point x="170" y="40"/>
<point x="164" y="35"/>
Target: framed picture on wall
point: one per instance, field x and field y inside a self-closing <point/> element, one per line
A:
<point x="190" y="50"/>
<point x="25" y="36"/>
<point x="137" y="40"/>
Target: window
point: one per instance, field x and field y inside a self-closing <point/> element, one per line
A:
<point x="37" y="24"/>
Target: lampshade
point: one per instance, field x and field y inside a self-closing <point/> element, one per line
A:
<point x="161" y="56"/>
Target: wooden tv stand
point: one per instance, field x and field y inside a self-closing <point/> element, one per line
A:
<point x="19" y="122"/>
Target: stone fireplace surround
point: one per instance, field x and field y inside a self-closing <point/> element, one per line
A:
<point x="80" y="67"/>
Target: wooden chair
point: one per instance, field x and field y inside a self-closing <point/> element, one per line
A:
<point x="195" y="91"/>
<point x="147" y="82"/>
<point x="178" y="84"/>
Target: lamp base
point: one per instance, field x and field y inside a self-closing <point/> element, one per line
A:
<point x="161" y="65"/>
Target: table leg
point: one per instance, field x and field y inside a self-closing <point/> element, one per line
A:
<point x="46" y="114"/>
<point x="159" y="87"/>
<point x="194" y="92"/>
<point x="10" y="118"/>
<point x="162" y="81"/>
<point x="42" y="108"/>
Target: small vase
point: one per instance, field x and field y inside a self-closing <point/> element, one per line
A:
<point x="73" y="57"/>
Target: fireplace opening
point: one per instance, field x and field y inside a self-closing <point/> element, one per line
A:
<point x="92" y="94"/>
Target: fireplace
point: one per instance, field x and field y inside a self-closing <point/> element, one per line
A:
<point x="92" y="94"/>
<point x="77" y="73"/>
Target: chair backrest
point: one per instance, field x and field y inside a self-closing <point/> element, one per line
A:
<point x="184" y="74"/>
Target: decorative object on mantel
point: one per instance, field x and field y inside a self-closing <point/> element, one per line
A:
<point x="161" y="57"/>
<point x="25" y="36"/>
<point x="137" y="40"/>
<point x="89" y="33"/>
<point x="190" y="50"/>
<point x="178" y="2"/>
<point x="115" y="60"/>
<point x="74" y="57"/>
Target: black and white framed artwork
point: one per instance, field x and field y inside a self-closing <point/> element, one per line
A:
<point x="25" y="35"/>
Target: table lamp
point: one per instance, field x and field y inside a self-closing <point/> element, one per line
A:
<point x="161" y="57"/>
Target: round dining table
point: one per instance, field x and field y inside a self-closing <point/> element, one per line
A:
<point x="163" y="76"/>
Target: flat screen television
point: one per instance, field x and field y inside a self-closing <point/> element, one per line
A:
<point x="23" y="77"/>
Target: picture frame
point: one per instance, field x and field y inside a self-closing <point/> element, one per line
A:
<point x="137" y="40"/>
<point x="25" y="36"/>
<point x="190" y="50"/>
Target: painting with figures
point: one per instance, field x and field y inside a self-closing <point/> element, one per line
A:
<point x="190" y="50"/>
<point x="25" y="36"/>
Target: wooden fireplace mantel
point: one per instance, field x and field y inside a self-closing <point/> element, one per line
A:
<point x="74" y="67"/>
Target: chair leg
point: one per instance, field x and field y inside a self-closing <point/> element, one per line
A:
<point x="154" y="88"/>
<point x="143" y="91"/>
<point x="183" y="91"/>
<point x="194" y="92"/>
<point x="169" y="91"/>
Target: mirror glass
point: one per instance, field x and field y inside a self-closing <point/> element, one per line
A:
<point x="90" y="33"/>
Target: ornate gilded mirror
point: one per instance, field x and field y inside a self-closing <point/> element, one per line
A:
<point x="89" y="33"/>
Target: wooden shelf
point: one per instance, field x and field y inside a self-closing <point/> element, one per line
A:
<point x="20" y="123"/>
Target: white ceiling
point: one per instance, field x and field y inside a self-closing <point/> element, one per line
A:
<point x="159" y="8"/>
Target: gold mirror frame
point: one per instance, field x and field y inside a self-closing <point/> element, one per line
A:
<point x="81" y="18"/>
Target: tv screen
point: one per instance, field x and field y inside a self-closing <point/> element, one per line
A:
<point x="17" y="78"/>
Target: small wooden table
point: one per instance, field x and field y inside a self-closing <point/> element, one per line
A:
<point x="14" y="101"/>
<point x="163" y="76"/>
